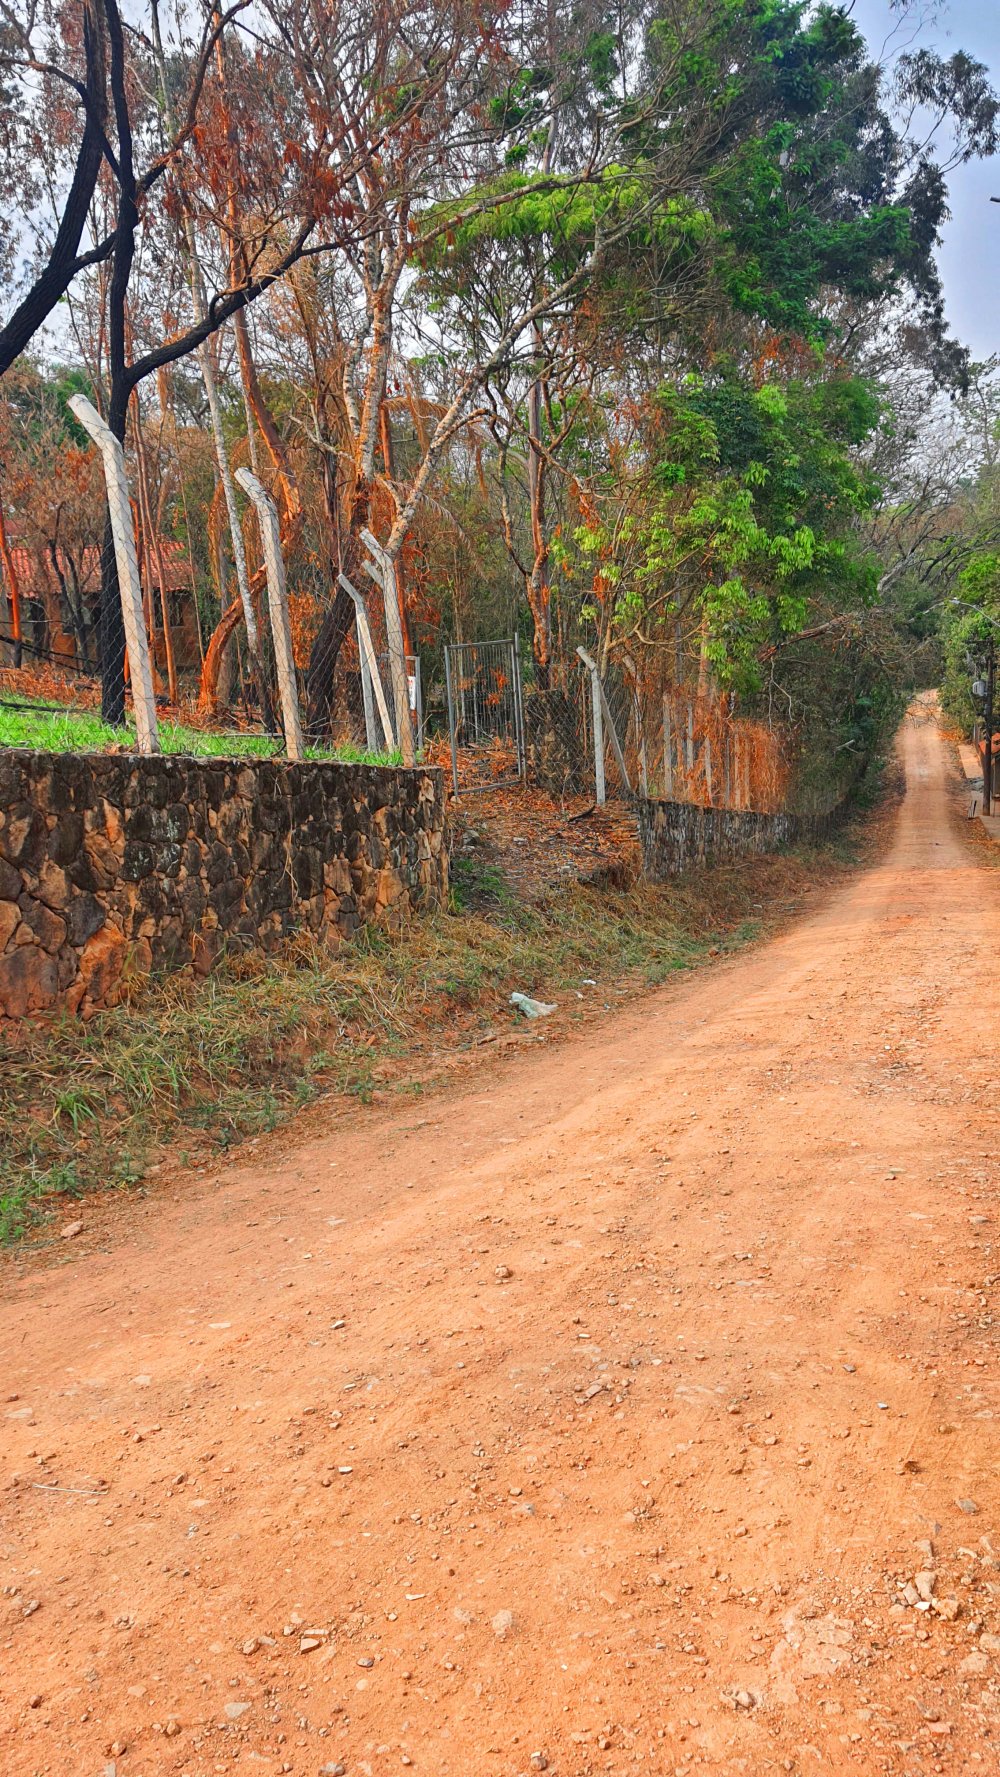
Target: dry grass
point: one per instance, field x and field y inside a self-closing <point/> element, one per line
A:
<point x="201" y="1065"/>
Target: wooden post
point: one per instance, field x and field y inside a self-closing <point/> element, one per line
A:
<point x="371" y="678"/>
<point x="277" y="604"/>
<point x="668" y="750"/>
<point x="381" y="570"/>
<point x="136" y="639"/>
<point x="371" y="736"/>
<point x="708" y="767"/>
<point x="602" y="716"/>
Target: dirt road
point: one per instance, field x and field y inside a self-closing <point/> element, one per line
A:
<point x="590" y="1417"/>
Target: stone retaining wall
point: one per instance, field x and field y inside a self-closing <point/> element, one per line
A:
<point x="675" y="835"/>
<point x="113" y="865"/>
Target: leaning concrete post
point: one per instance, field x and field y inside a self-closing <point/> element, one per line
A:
<point x="602" y="707"/>
<point x="371" y="678"/>
<point x="277" y="604"/>
<point x="130" y="590"/>
<point x="600" y="792"/>
<point x="384" y="575"/>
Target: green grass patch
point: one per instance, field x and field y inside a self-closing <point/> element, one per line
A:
<point x="44" y="729"/>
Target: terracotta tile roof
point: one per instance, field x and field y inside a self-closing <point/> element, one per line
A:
<point x="35" y="574"/>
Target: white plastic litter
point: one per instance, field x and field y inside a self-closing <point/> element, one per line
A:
<point x="531" y="1008"/>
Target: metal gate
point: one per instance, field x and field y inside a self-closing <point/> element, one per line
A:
<point x="485" y="713"/>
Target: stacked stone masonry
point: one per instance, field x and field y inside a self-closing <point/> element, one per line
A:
<point x="114" y="866"/>
<point x="675" y="835"/>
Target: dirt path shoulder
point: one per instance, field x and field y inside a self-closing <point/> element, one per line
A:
<point x="633" y="1407"/>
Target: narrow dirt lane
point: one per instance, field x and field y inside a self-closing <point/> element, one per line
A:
<point x="599" y="1411"/>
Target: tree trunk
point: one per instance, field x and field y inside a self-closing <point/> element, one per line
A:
<point x="398" y="570"/>
<point x="13" y="591"/>
<point x="112" y="620"/>
<point x="324" y="654"/>
<point x="338" y="620"/>
<point x="539" y="592"/>
<point x="54" y="280"/>
<point x="206" y="365"/>
<point x="154" y="555"/>
<point x="225" y="629"/>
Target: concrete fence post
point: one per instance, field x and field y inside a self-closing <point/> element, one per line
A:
<point x="371" y="678"/>
<point x="130" y="590"/>
<point x="607" y="721"/>
<point x="277" y="604"/>
<point x="383" y="572"/>
<point x="597" y="708"/>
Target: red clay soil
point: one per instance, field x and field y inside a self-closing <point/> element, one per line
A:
<point x="631" y="1407"/>
<point x="541" y="845"/>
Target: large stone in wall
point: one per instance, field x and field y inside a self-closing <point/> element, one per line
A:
<point x="29" y="981"/>
<point x="112" y="866"/>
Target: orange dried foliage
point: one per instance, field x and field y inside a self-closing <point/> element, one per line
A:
<point x="46" y="684"/>
<point x="716" y="758"/>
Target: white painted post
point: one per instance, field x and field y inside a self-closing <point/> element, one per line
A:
<point x="708" y="767"/>
<point x="371" y="734"/>
<point x="371" y="677"/>
<point x="600" y="788"/>
<point x="612" y="732"/>
<point x="277" y="604"/>
<point x="130" y="590"/>
<point x="384" y="574"/>
<point x="668" y="751"/>
<point x="608" y="721"/>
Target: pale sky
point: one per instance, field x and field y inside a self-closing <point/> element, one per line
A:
<point x="970" y="258"/>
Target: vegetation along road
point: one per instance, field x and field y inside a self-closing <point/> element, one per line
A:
<point x="632" y="1406"/>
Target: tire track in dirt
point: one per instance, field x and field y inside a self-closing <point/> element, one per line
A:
<point x="598" y="1410"/>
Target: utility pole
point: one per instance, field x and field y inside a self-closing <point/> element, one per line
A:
<point x="991" y="662"/>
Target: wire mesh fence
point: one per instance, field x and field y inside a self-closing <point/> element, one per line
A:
<point x="698" y="750"/>
<point x="583" y="729"/>
<point x="608" y="733"/>
<point x="485" y="713"/>
<point x="215" y="677"/>
<point x="362" y="708"/>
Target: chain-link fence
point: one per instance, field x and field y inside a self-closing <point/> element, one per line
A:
<point x="215" y="684"/>
<point x="361" y="701"/>
<point x="698" y="750"/>
<point x="597" y="728"/>
<point x="485" y="713"/>
<point x="612" y="732"/>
